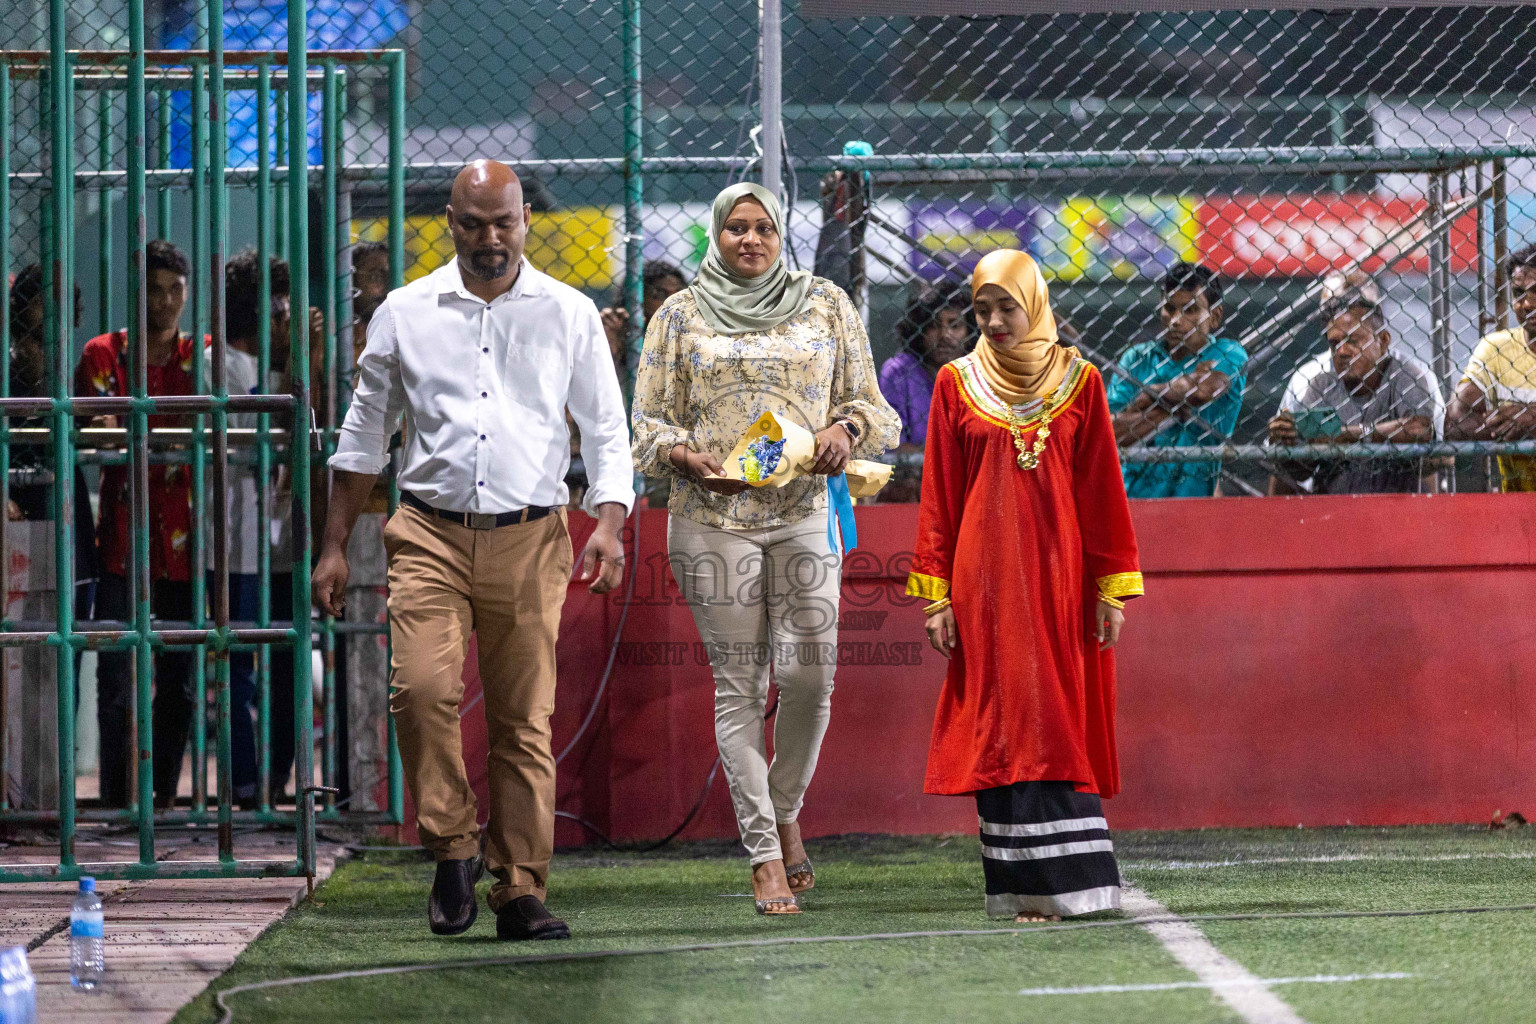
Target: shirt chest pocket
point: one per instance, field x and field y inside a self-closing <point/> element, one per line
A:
<point x="533" y="376"/>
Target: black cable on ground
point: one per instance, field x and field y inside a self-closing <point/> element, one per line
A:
<point x="794" y="940"/>
<point x="618" y="634"/>
<point x="698" y="805"/>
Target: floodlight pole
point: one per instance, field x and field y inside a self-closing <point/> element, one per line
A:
<point x="771" y="40"/>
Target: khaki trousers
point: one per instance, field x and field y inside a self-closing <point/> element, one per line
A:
<point x="507" y="587"/>
<point x="764" y="597"/>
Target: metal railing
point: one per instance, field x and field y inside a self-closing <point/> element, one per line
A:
<point x="203" y="447"/>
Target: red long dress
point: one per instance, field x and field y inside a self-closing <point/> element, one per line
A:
<point x="1023" y="555"/>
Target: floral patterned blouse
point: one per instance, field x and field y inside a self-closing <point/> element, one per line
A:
<point x="703" y="389"/>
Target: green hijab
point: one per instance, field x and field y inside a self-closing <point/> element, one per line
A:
<point x="732" y="304"/>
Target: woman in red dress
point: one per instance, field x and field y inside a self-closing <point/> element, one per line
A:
<point x="1025" y="550"/>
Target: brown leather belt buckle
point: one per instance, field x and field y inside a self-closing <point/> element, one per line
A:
<point x="481" y="520"/>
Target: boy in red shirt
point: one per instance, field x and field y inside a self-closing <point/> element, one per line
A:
<point x="104" y="371"/>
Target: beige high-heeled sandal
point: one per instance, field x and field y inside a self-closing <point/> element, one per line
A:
<point x="802" y="871"/>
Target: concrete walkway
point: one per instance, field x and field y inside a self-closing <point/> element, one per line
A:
<point x="165" y="940"/>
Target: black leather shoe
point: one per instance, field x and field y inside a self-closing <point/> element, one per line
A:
<point x="525" y="918"/>
<point x="452" y="907"/>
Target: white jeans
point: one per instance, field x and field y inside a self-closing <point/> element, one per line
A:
<point x="761" y="597"/>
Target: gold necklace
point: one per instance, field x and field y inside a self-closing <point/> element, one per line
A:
<point x="1029" y="456"/>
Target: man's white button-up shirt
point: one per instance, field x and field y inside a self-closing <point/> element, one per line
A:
<point x="486" y="386"/>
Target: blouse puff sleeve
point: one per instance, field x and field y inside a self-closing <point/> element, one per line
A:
<point x="856" y="392"/>
<point x="661" y="394"/>
<point x="1103" y="512"/>
<point x="938" y="515"/>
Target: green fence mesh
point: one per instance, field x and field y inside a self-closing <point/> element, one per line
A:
<point x="1356" y="183"/>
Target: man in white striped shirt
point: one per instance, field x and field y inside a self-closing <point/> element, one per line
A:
<point x="483" y="356"/>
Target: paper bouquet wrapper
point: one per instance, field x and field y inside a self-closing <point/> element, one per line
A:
<point x="774" y="451"/>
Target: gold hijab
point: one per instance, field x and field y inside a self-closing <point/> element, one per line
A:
<point x="1035" y="365"/>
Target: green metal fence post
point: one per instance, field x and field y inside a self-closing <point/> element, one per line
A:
<point x="1501" y="297"/>
<point x="299" y="436"/>
<point x="280" y="225"/>
<point x="396" y="280"/>
<point x="218" y="139"/>
<point x="329" y="134"/>
<point x="104" y="272"/>
<point x="61" y="91"/>
<point x="162" y="161"/>
<point x="138" y="431"/>
<point x="634" y="193"/>
<point x="202" y="306"/>
<point x="264" y="435"/>
<point x="5" y="392"/>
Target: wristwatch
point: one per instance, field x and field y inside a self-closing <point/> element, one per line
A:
<point x="852" y="428"/>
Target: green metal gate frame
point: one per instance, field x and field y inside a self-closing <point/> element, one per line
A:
<point x="208" y="73"/>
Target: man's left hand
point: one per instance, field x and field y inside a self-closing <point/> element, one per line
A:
<point x="602" y="560"/>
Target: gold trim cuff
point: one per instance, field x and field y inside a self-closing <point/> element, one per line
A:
<point x="1121" y="584"/>
<point x="930" y="588"/>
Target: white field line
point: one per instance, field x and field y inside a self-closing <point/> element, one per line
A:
<point x="1229" y="980"/>
<point x="1333" y="858"/>
<point x="1320" y="979"/>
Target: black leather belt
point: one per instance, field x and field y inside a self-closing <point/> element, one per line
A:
<point x="480" y="520"/>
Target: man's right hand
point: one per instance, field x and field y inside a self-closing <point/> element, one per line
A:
<point x="329" y="583"/>
<point x="1282" y="430"/>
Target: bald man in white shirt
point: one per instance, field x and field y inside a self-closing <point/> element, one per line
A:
<point x="483" y="356"/>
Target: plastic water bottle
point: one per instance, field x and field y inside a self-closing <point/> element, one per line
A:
<point x="18" y="989"/>
<point x="87" y="956"/>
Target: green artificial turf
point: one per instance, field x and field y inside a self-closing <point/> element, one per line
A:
<point x="1473" y="968"/>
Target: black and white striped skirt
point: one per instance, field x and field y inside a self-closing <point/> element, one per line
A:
<point x="1045" y="850"/>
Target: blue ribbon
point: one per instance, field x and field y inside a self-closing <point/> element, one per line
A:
<point x="840" y="514"/>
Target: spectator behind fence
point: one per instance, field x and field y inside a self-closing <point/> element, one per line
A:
<point x="370" y="284"/>
<point x="1360" y="390"/>
<point x="244" y="306"/>
<point x="661" y="280"/>
<point x="31" y="489"/>
<point x="933" y="331"/>
<point x="1184" y="375"/>
<point x="1496" y="397"/>
<point x="104" y="371"/>
<point x="31" y="465"/>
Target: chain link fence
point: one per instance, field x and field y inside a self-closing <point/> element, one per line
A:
<point x="1272" y="147"/>
<point x="1356" y="185"/>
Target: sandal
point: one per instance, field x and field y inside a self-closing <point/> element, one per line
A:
<point x="804" y="873"/>
<point x="776" y="906"/>
<point x="773" y="906"/>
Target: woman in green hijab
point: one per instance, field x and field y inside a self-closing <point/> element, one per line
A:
<point x="750" y="336"/>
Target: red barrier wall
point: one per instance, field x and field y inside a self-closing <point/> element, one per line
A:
<point x="1324" y="660"/>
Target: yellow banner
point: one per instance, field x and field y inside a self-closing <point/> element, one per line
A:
<point x="573" y="246"/>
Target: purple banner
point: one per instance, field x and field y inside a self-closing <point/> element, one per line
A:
<point x="952" y="236"/>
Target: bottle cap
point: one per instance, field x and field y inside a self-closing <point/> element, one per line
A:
<point x="87" y="884"/>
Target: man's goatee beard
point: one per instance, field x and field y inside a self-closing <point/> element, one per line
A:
<point x="489" y="267"/>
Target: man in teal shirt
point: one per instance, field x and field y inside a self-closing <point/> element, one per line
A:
<point x="1194" y="382"/>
